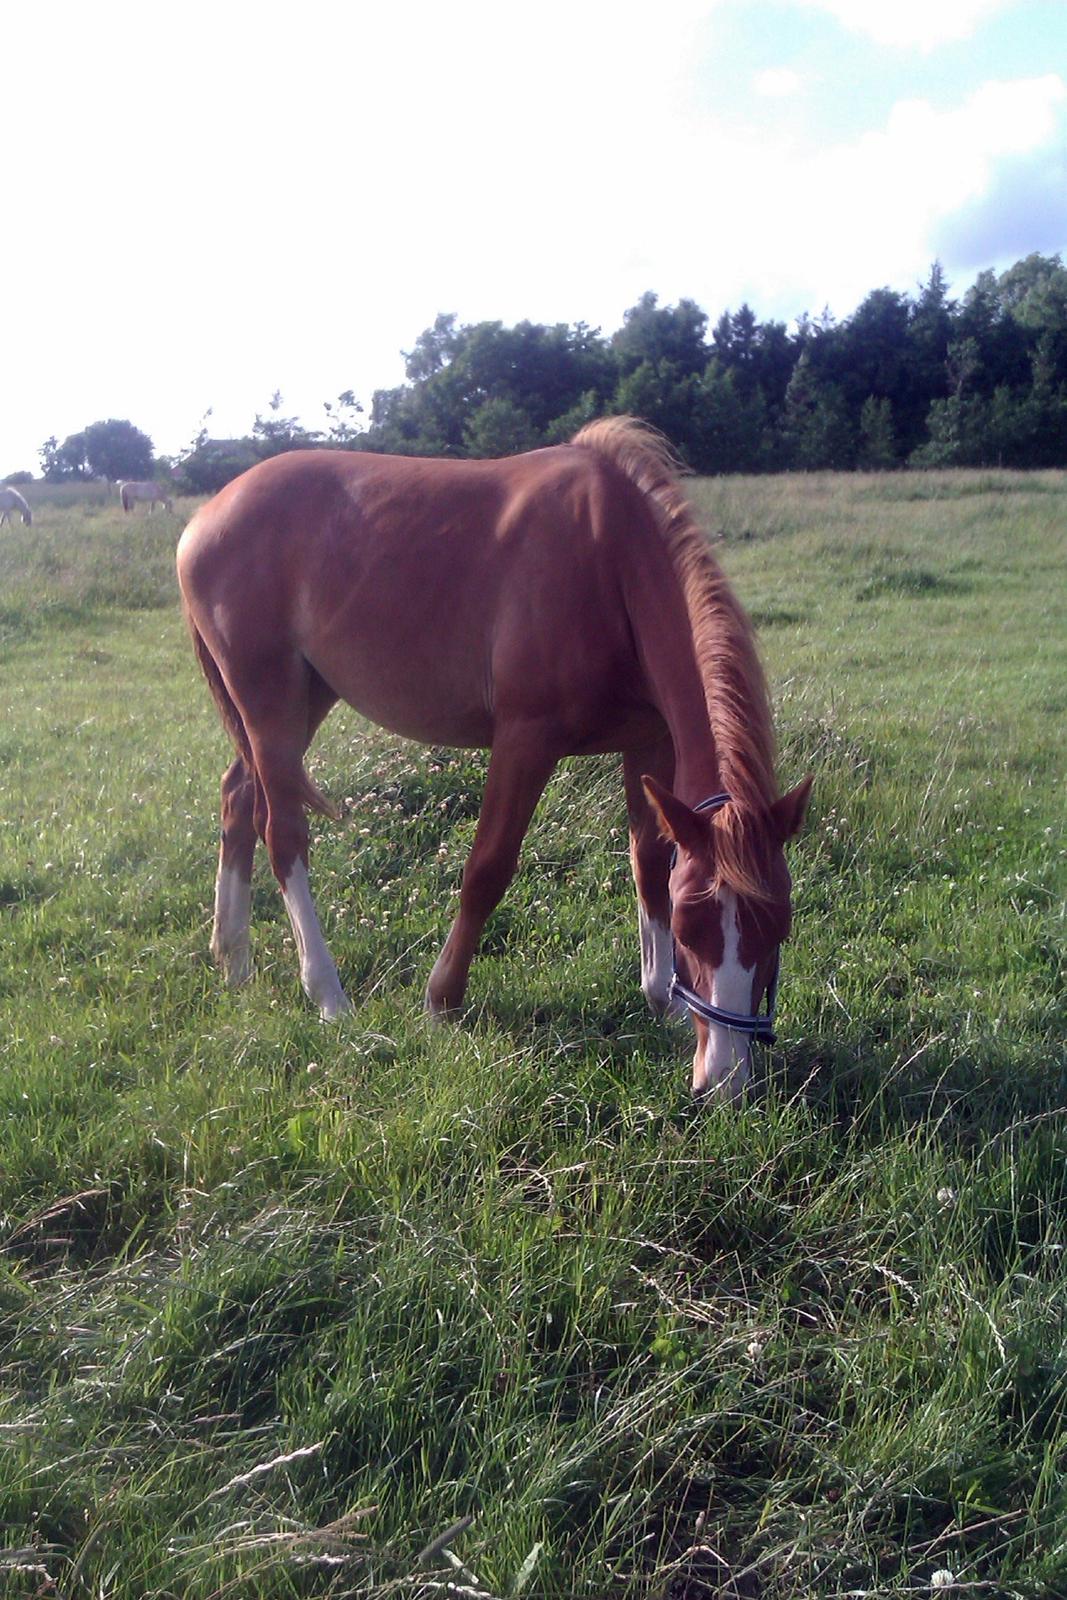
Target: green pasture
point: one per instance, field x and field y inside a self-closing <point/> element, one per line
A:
<point x="380" y="1309"/>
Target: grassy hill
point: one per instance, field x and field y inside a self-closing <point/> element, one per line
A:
<point x="280" y="1305"/>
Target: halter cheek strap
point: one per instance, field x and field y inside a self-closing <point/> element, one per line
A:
<point x="759" y="1025"/>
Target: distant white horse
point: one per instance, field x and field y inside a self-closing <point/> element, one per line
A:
<point x="11" y="500"/>
<point x="150" y="490"/>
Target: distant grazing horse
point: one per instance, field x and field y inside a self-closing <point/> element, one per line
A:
<point x="11" y="500"/>
<point x="551" y="604"/>
<point x="153" y="492"/>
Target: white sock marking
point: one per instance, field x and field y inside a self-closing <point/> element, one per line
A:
<point x="657" y="961"/>
<point x="317" y="971"/>
<point x="229" y="935"/>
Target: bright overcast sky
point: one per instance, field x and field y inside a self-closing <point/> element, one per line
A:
<point x="208" y="202"/>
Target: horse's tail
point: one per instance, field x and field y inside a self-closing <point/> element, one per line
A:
<point x="232" y="719"/>
<point x="310" y="794"/>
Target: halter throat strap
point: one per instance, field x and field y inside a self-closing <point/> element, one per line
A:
<point x="759" y="1025"/>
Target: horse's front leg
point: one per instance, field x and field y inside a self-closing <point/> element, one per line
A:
<point x="520" y="765"/>
<point x="650" y="861"/>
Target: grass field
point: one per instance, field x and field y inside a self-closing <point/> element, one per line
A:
<point x="280" y="1304"/>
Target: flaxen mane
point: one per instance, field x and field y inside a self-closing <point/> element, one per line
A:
<point x="735" y="689"/>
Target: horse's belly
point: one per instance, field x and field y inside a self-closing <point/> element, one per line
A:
<point x="468" y="730"/>
<point x="432" y="709"/>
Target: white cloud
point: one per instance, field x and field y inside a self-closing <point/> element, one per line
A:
<point x="777" y="83"/>
<point x="912" y="24"/>
<point x="835" y="223"/>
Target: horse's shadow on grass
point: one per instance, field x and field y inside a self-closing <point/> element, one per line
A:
<point x="867" y="1083"/>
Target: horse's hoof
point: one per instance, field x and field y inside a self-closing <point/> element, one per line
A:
<point x="439" y="1012"/>
<point x="235" y="966"/>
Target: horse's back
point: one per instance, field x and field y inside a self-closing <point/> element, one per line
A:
<point x="396" y="525"/>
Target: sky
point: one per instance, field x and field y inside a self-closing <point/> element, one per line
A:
<point x="209" y="202"/>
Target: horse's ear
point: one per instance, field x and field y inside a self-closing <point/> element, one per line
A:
<point x="787" y="814"/>
<point x="677" y="822"/>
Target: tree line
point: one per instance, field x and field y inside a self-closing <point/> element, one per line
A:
<point x="907" y="380"/>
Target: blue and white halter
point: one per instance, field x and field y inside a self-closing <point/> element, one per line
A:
<point x="758" y="1026"/>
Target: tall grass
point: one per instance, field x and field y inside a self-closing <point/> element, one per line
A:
<point x="283" y="1307"/>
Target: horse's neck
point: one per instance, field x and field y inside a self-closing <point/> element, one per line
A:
<point x="721" y="728"/>
<point x="664" y="639"/>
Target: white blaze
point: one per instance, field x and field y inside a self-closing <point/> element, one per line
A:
<point x="726" y="1055"/>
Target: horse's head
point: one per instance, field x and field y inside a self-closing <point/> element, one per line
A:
<point x="730" y="912"/>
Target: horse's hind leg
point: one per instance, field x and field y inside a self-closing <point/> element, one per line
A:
<point x="244" y="820"/>
<point x="279" y="735"/>
<point x="287" y="846"/>
<point x="519" y="768"/>
<point x="233" y="884"/>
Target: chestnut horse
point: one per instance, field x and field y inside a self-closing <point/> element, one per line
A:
<point x="556" y="603"/>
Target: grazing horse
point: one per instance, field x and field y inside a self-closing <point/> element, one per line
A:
<point x="11" y="500"/>
<point x="150" y="490"/>
<point x="557" y="603"/>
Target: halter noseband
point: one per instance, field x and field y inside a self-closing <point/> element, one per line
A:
<point x="758" y="1026"/>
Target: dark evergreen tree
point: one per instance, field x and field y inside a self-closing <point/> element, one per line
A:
<point x="816" y="426"/>
<point x="878" y="446"/>
<point x="906" y="378"/>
